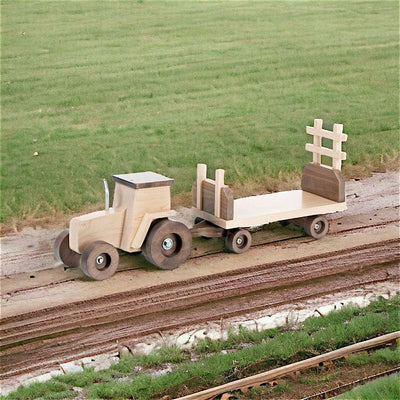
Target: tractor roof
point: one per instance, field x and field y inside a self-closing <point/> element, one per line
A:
<point x="141" y="180"/>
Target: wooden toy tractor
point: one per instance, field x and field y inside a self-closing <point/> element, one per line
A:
<point x="138" y="221"/>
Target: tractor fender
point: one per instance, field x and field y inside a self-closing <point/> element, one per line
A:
<point x="145" y="225"/>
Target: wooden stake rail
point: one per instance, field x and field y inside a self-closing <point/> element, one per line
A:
<point x="337" y="136"/>
<point x="259" y="379"/>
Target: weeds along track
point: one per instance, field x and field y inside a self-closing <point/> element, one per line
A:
<point x="40" y="339"/>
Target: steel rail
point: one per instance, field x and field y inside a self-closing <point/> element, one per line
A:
<point x="342" y="388"/>
<point x="264" y="377"/>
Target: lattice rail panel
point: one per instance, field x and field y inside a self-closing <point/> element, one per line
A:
<point x="337" y="136"/>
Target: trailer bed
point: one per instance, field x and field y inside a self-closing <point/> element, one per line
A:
<point x="267" y="208"/>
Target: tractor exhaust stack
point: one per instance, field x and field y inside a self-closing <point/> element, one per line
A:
<point x="107" y="195"/>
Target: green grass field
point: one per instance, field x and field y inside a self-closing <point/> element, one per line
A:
<point x="103" y="87"/>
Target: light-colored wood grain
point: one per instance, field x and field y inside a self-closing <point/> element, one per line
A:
<point x="120" y="224"/>
<point x="100" y="225"/>
<point x="337" y="136"/>
<point x="140" y="202"/>
<point x="323" y="190"/>
<point x="264" y="377"/>
<point x="211" y="196"/>
<point x="263" y="209"/>
<point x="316" y="131"/>
<point x="317" y="140"/>
<point x="341" y="155"/>
<point x="337" y="131"/>
<point x="144" y="226"/>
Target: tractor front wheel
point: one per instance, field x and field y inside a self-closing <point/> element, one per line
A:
<point x="99" y="260"/>
<point x="168" y="244"/>
<point x="63" y="252"/>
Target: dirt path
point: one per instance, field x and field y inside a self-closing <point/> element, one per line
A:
<point x="50" y="288"/>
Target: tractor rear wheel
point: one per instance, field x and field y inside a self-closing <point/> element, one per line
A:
<point x="99" y="260"/>
<point x="168" y="244"/>
<point x="63" y="252"/>
<point x="316" y="227"/>
<point x="238" y="240"/>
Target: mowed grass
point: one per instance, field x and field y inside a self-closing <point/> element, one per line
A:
<point x="98" y="88"/>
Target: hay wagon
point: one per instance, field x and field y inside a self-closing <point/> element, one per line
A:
<point x="322" y="192"/>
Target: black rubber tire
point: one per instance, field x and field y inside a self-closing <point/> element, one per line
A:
<point x="163" y="234"/>
<point x="62" y="251"/>
<point x="238" y="240"/>
<point x="99" y="260"/>
<point x="316" y="226"/>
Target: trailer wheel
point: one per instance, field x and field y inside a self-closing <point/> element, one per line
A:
<point x="168" y="244"/>
<point x="63" y="252"/>
<point x="316" y="227"/>
<point x="99" y="260"/>
<point x="238" y="240"/>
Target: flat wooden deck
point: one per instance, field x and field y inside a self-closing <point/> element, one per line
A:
<point x="263" y="209"/>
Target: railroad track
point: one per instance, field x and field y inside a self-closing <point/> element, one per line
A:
<point x="266" y="377"/>
<point x="326" y="394"/>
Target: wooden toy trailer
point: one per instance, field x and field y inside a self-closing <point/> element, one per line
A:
<point x="140" y="217"/>
<point x="322" y="192"/>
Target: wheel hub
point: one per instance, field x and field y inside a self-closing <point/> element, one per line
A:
<point x="317" y="226"/>
<point x="99" y="260"/>
<point x="239" y="241"/>
<point x="167" y="244"/>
